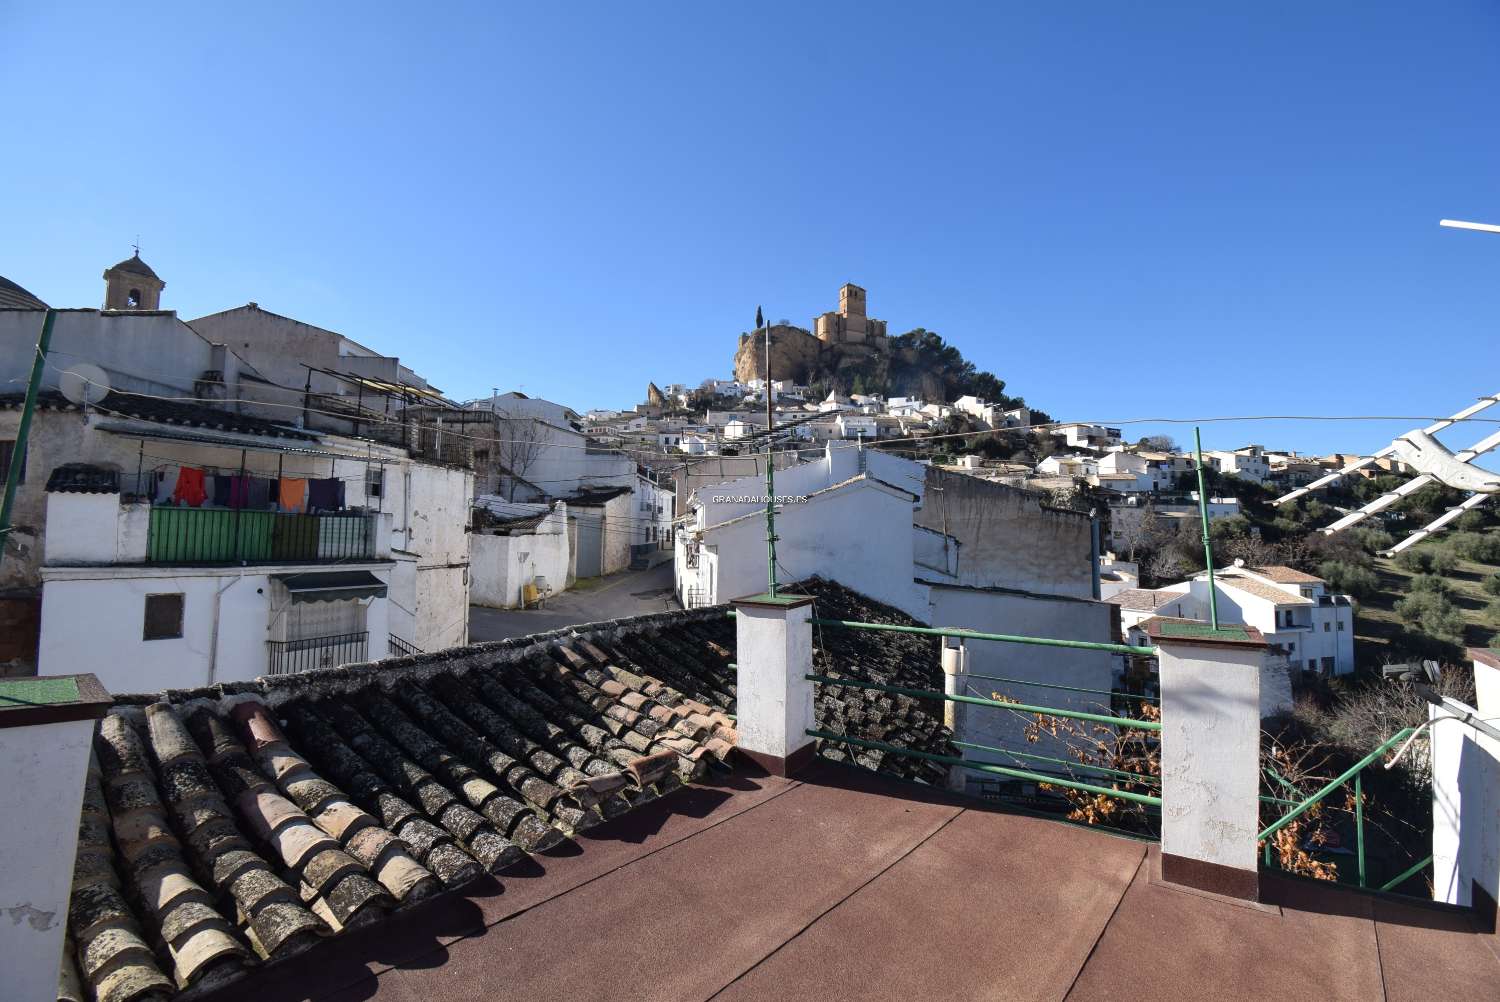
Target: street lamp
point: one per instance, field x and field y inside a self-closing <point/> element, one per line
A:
<point x="1459" y="224"/>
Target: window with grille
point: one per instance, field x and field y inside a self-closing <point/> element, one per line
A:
<point x="163" y="617"/>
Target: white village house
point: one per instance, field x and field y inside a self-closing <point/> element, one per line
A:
<point x="222" y="545"/>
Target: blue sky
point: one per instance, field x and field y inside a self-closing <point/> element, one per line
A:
<point x="1122" y="210"/>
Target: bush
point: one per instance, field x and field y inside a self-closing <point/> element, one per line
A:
<point x="1472" y="520"/>
<point x="1491" y="584"/>
<point x="1417" y="561"/>
<point x="1443" y="561"/>
<point x="1433" y="614"/>
<point x="1481" y="547"/>
<point x="1372" y="540"/>
<point x="1492" y="615"/>
<point x="1351" y="579"/>
<point x="1431" y="582"/>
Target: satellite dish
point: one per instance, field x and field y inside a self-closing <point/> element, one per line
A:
<point x="84" y="383"/>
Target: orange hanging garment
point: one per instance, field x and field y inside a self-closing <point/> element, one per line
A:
<point x="190" y="487"/>
<point x="293" y="494"/>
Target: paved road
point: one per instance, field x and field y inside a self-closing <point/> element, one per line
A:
<point x="631" y="593"/>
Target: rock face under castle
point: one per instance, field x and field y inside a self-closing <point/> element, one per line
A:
<point x="846" y="343"/>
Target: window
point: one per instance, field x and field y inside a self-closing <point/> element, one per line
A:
<point x="1292" y="647"/>
<point x="134" y="299"/>
<point x="163" y="617"/>
<point x="1328" y="665"/>
<point x="375" y="483"/>
<point x="1312" y="664"/>
<point x="1326" y="626"/>
<point x="1341" y="626"/>
<point x="6" y="446"/>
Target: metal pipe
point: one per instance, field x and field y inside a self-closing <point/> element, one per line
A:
<point x="1208" y="549"/>
<point x="770" y="471"/>
<point x="999" y="770"/>
<point x="1051" y="711"/>
<point x="1004" y="638"/>
<point x="1359" y="823"/>
<point x="1405" y="875"/>
<point x="1121" y="773"/>
<point x="1094" y="550"/>
<point x="1054" y="685"/>
<point x="23" y="431"/>
<point x="1335" y="783"/>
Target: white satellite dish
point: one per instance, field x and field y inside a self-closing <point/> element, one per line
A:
<point x="84" y="383"/>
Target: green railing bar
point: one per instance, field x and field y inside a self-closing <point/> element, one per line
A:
<point x="1004" y="638"/>
<point x="1140" y="798"/>
<point x="1050" y="711"/>
<point x="1055" y="685"/>
<point x="1335" y="783"/>
<point x="1359" y="823"/>
<point x="1278" y="800"/>
<point x="1134" y="776"/>
<point x="1405" y="875"/>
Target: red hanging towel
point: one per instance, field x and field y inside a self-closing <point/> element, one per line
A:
<point x="190" y="490"/>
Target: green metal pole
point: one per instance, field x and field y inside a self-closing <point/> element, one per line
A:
<point x="1208" y="549"/>
<point x="770" y="476"/>
<point x="1405" y="875"/>
<point x="1359" y="823"/>
<point x="18" y="451"/>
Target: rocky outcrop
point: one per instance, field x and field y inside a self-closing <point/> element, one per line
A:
<point x="795" y="355"/>
<point x="897" y="369"/>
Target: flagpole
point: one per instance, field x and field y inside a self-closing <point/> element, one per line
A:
<point x="770" y="469"/>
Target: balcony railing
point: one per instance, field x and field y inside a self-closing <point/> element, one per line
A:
<point x="228" y="536"/>
<point x="288" y="657"/>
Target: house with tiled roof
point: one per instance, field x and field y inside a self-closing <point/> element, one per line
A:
<point x="206" y="547"/>
<point x="1312" y="626"/>
<point x="548" y="817"/>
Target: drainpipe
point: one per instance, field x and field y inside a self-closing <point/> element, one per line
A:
<point x="18" y="451"/>
<point x="213" y="646"/>
<point x="1094" y="548"/>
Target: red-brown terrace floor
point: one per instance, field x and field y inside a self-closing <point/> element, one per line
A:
<point x="840" y="885"/>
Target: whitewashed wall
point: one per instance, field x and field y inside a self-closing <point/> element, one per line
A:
<point x="228" y="616"/>
<point x="1466" y="798"/>
<point x="992" y="611"/>
<point x="502" y="565"/>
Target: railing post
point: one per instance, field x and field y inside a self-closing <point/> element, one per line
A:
<point x="1210" y="754"/>
<point x="774" y="699"/>
<point x="46" y="731"/>
<point x="955" y="714"/>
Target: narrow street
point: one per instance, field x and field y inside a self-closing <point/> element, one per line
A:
<point x="630" y="593"/>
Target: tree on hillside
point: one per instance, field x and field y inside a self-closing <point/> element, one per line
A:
<point x="519" y="445"/>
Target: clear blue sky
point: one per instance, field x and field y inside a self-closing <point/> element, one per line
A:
<point x="1120" y="209"/>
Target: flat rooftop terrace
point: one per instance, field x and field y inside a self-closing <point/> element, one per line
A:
<point x="843" y="885"/>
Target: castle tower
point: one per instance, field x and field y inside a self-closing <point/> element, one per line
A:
<point x="849" y="325"/>
<point x="132" y="285"/>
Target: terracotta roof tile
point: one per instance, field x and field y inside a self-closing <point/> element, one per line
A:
<point x="309" y="804"/>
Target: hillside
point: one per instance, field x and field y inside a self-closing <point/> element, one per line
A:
<point x="918" y="363"/>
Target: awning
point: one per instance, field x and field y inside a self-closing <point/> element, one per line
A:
<point x="331" y="586"/>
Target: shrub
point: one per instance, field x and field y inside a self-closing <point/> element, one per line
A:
<point x="1491" y="584"/>
<point x="1432" y="583"/>
<point x="1372" y="540"/>
<point x="1492" y="615"/>
<point x="1472" y="520"/>
<point x="1481" y="547"/>
<point x="1351" y="579"/>
<point x="1433" y="614"/>
<point x="1417" y="561"/>
<point x="1443" y="561"/>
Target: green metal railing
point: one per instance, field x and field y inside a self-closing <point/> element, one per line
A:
<point x="1051" y="711"/>
<point x="1299" y="808"/>
<point x="994" y="770"/>
<point x="1003" y="638"/>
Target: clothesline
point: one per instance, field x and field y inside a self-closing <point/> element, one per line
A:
<point x="192" y="487"/>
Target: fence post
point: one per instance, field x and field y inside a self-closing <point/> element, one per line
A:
<point x="46" y="731"/>
<point x="1210" y="754"/>
<point x="956" y="715"/>
<point x="774" y="699"/>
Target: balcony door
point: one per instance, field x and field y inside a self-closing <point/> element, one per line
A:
<point x="311" y="620"/>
